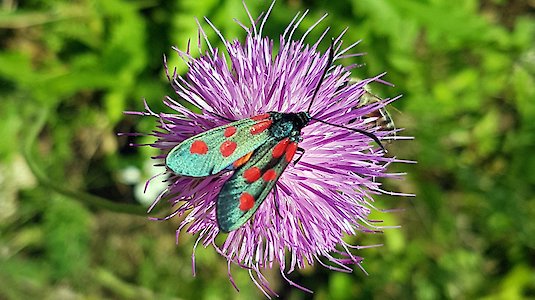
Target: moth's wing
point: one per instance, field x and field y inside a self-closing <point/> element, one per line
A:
<point x="216" y="149"/>
<point x="241" y="195"/>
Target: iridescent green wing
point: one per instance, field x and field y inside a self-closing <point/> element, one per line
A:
<point x="212" y="151"/>
<point x="250" y="184"/>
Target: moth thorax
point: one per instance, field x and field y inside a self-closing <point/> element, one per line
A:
<point x="288" y="124"/>
<point x="282" y="129"/>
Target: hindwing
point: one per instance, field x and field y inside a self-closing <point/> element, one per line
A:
<point x="248" y="187"/>
<point x="212" y="151"/>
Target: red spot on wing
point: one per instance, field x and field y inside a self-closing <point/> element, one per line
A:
<point x="227" y="148"/>
<point x="290" y="151"/>
<point x="230" y="131"/>
<point x="252" y="174"/>
<point x="246" y="201"/>
<point x="278" y="150"/>
<point x="198" y="147"/>
<point x="261" y="126"/>
<point x="269" y="175"/>
<point x="260" y="117"/>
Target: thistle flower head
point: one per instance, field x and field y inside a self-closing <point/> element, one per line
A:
<point x="325" y="196"/>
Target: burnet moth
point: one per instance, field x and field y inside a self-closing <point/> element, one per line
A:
<point x="257" y="149"/>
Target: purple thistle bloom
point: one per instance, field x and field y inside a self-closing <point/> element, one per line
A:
<point x="325" y="196"/>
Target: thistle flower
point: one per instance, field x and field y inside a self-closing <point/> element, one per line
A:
<point x="325" y="196"/>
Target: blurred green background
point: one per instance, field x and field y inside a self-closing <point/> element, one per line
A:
<point x="68" y="69"/>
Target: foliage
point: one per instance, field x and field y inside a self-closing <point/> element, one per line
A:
<point x="466" y="70"/>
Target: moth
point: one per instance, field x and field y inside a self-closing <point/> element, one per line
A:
<point x="256" y="149"/>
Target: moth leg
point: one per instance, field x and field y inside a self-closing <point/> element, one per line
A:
<point x="276" y="201"/>
<point x="300" y="156"/>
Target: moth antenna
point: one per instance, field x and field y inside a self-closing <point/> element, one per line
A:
<point x="329" y="62"/>
<point x="368" y="134"/>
